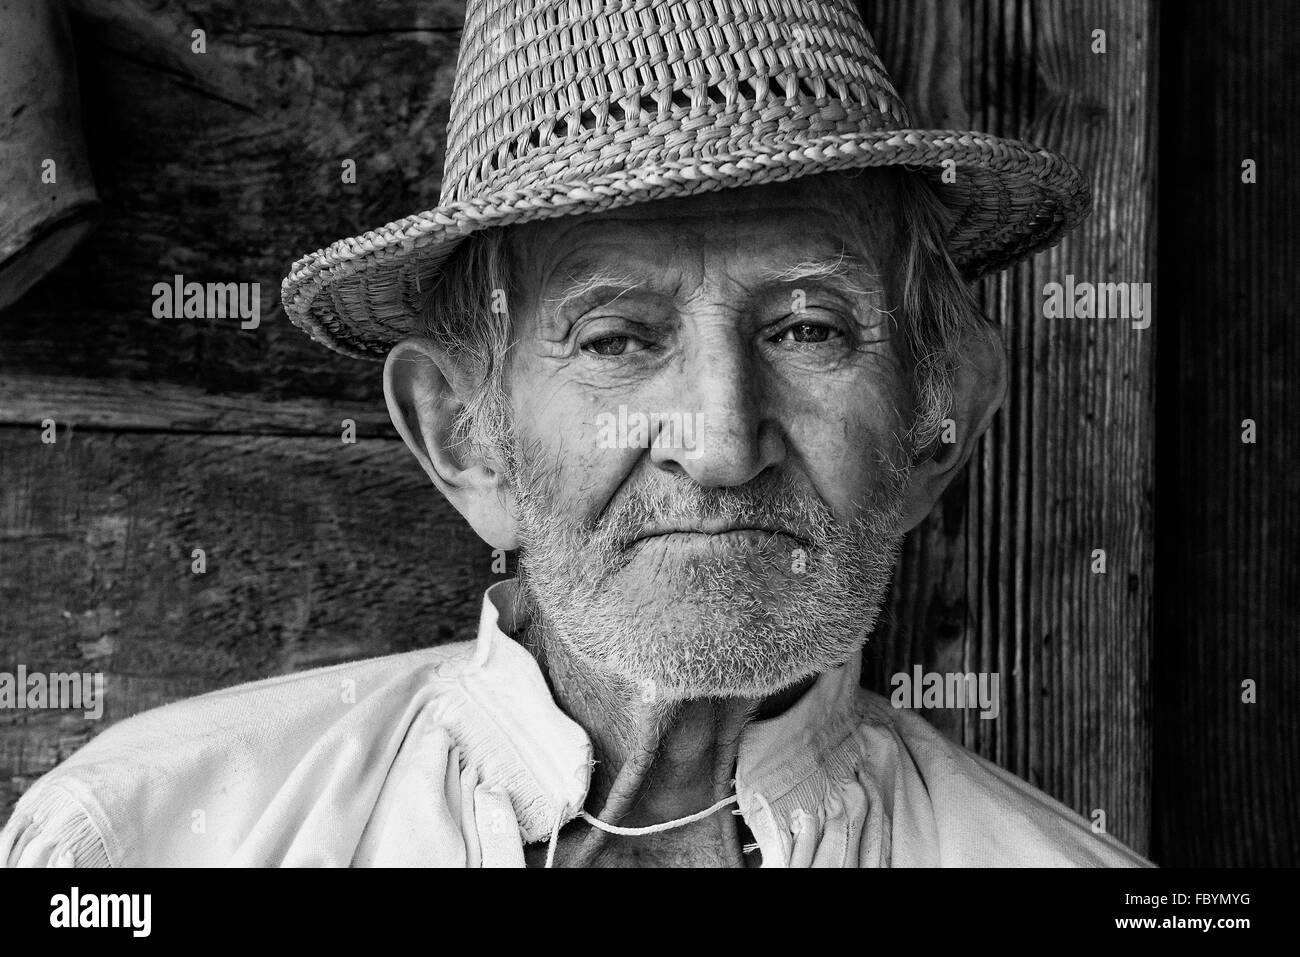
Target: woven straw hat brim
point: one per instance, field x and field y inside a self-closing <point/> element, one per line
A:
<point x="360" y="296"/>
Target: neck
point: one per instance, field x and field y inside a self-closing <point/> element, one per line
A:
<point x="656" y="760"/>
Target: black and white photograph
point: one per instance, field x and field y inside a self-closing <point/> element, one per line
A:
<point x="650" y="434"/>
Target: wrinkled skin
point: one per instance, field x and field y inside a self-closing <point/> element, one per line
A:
<point x="664" y="641"/>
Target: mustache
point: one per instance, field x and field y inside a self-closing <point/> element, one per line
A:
<point x="779" y="500"/>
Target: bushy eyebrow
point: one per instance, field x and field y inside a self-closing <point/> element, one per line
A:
<point x="587" y="282"/>
<point x="847" y="272"/>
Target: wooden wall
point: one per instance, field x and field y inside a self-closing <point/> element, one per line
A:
<point x="1001" y="578"/>
<point x="176" y="434"/>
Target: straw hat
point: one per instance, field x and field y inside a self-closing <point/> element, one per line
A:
<point x="563" y="107"/>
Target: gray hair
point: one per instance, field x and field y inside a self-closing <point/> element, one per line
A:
<point x="933" y="309"/>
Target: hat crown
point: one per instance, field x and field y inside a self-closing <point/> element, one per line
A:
<point x="575" y="107"/>
<point x="596" y="86"/>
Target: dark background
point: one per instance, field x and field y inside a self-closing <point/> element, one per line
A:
<point x="1121" y="692"/>
<point x="1227" y="775"/>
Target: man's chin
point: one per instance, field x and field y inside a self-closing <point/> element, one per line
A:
<point x="692" y="615"/>
<point x="749" y="686"/>
<point x="682" y="644"/>
<point x="667" y="679"/>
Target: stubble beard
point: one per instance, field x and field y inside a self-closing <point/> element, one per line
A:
<point x="690" y="617"/>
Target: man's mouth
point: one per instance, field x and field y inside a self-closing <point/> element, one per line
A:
<point x="716" y="529"/>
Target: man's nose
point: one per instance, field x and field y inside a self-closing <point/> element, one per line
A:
<point x="727" y="436"/>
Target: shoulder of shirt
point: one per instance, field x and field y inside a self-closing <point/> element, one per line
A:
<point x="63" y="820"/>
<point x="985" y="816"/>
<point x="76" y="814"/>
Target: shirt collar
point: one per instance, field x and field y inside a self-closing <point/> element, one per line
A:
<point x="500" y="619"/>
<point x="776" y="754"/>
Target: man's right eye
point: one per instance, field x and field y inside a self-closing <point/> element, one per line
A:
<point x="611" y="345"/>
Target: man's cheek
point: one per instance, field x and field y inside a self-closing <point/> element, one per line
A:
<point x="845" y="458"/>
<point x="586" y="468"/>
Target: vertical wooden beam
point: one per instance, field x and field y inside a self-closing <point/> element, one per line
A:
<point x="1001" y="577"/>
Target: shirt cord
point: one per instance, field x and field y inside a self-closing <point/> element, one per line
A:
<point x="632" y="831"/>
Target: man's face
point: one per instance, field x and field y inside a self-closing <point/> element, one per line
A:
<point x="708" y="403"/>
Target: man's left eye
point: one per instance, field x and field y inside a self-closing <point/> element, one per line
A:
<point x="807" y="332"/>
<point x="611" y="346"/>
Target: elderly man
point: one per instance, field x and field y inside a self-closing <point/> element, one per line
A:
<point x="684" y="332"/>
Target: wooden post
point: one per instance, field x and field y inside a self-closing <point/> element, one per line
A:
<point x="1001" y="578"/>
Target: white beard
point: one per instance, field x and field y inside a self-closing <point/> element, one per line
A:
<point x="688" y="618"/>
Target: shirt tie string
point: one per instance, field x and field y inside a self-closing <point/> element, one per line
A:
<point x="632" y="831"/>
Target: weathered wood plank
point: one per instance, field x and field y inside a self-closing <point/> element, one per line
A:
<point x="999" y="578"/>
<point x="131" y="405"/>
<point x="226" y="167"/>
<point x="317" y="552"/>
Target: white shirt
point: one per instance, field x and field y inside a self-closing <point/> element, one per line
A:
<point x="458" y="755"/>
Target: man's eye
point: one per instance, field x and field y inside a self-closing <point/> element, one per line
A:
<point x="807" y="332"/>
<point x="613" y="346"/>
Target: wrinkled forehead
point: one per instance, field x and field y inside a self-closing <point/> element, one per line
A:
<point x="757" y="229"/>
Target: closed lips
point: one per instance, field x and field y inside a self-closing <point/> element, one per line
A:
<point x="714" y="529"/>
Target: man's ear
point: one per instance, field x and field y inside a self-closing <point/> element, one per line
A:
<point x="425" y="391"/>
<point x="978" y="389"/>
